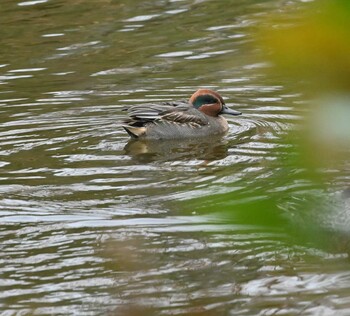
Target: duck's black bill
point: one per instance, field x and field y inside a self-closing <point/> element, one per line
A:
<point x="226" y="110"/>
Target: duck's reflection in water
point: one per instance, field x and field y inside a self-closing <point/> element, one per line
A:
<point x="209" y="149"/>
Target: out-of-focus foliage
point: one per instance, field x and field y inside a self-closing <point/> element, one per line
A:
<point x="313" y="43"/>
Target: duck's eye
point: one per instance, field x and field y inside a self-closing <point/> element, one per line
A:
<point x="204" y="99"/>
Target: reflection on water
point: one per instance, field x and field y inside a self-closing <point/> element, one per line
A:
<point x="93" y="222"/>
<point x="215" y="148"/>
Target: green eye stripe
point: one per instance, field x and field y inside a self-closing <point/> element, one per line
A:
<point x="204" y="99"/>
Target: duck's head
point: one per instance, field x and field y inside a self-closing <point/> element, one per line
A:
<point x="210" y="103"/>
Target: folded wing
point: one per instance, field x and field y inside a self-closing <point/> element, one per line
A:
<point x="179" y="113"/>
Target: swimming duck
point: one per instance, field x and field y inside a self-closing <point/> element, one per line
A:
<point x="200" y="117"/>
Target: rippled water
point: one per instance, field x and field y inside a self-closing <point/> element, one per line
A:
<point x="92" y="223"/>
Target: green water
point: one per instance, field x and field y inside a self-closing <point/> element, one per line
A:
<point x="93" y="224"/>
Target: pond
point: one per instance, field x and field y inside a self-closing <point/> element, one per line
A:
<point x="93" y="224"/>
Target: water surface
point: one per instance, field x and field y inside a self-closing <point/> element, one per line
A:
<point x="91" y="223"/>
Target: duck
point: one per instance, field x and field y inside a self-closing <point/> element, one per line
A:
<point x="201" y="116"/>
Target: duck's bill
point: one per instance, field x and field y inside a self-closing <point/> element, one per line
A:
<point x="226" y="110"/>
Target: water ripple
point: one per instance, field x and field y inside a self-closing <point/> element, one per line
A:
<point x="93" y="222"/>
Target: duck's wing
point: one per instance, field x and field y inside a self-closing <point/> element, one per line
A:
<point x="179" y="112"/>
<point x="185" y="117"/>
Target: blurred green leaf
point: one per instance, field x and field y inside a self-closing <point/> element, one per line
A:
<point x="316" y="48"/>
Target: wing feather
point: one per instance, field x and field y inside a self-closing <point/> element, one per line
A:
<point x="184" y="118"/>
<point x="172" y="112"/>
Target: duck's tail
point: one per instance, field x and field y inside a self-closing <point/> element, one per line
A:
<point x="135" y="132"/>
